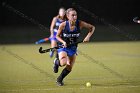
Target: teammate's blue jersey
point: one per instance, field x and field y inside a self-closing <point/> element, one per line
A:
<point x="57" y="24"/>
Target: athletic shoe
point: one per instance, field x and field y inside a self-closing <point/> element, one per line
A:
<point x="56" y="66"/>
<point x="59" y="83"/>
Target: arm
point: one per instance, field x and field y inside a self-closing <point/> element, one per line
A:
<point x="90" y="28"/>
<point x="61" y="27"/>
<point x="52" y="26"/>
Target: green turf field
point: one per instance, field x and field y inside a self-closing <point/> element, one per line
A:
<point x="111" y="67"/>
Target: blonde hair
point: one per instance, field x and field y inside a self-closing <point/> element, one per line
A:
<point x="62" y="8"/>
<point x="68" y="10"/>
<point x="58" y="16"/>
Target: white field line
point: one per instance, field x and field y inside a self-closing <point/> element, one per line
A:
<point x="53" y="89"/>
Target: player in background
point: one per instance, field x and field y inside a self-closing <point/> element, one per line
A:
<point x="56" y="21"/>
<point x="68" y="33"/>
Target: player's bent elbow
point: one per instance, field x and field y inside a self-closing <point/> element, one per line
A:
<point x="92" y="29"/>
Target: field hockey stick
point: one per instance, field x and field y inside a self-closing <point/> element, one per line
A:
<point x="41" y="50"/>
<point x="42" y="40"/>
<point x="136" y="20"/>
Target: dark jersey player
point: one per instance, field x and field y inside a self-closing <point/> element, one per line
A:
<point x="68" y="33"/>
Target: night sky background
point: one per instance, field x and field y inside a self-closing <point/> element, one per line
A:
<point x="115" y="12"/>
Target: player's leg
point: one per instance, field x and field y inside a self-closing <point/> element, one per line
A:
<point x="56" y="56"/>
<point x="66" y="70"/>
<point x="53" y="44"/>
<point x="62" y="60"/>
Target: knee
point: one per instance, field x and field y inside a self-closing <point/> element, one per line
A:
<point x="62" y="64"/>
<point x="63" y="61"/>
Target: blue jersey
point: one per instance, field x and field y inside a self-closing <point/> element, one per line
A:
<point x="57" y="24"/>
<point x="70" y="37"/>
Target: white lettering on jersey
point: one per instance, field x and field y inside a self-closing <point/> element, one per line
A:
<point x="71" y="35"/>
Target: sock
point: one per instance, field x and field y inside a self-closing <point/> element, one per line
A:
<point x="56" y="56"/>
<point x="57" y="62"/>
<point x="63" y="74"/>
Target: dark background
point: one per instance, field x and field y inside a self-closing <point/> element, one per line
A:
<point x="113" y="19"/>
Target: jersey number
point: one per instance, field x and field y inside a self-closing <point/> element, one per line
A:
<point x="71" y="40"/>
